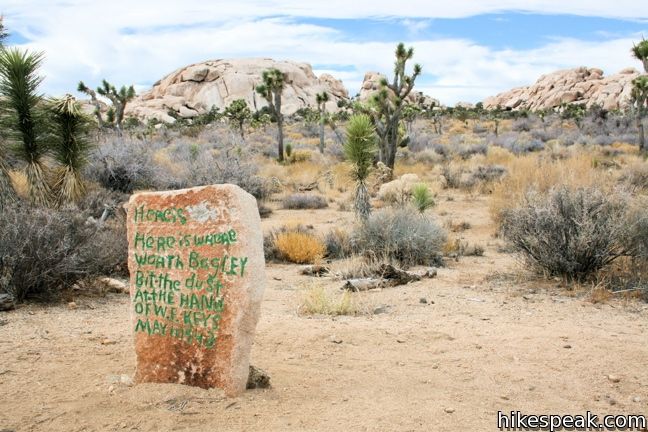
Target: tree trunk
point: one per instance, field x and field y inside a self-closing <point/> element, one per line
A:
<point x="277" y="106"/>
<point x="642" y="135"/>
<point x="321" y="133"/>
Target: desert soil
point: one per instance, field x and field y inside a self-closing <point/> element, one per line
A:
<point x="489" y="338"/>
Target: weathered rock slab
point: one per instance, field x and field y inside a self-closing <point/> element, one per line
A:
<point x="197" y="279"/>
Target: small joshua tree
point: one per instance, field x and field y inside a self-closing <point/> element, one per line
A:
<point x="238" y="113"/>
<point x="640" y="52"/>
<point x="119" y="99"/>
<point x="24" y="117"/>
<point x="360" y="150"/>
<point x="640" y="105"/>
<point x="271" y="89"/>
<point x="321" y="99"/>
<point x="388" y="105"/>
<point x="70" y="149"/>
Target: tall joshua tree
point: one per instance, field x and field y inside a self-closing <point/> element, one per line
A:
<point x="640" y="52"/>
<point x="640" y="105"/>
<point x="71" y="148"/>
<point x="271" y="89"/>
<point x="321" y="99"/>
<point x="24" y="118"/>
<point x="388" y="104"/>
<point x="360" y="150"/>
<point x="119" y="99"/>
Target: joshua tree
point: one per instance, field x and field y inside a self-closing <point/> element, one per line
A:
<point x="24" y="119"/>
<point x="71" y="147"/>
<point x="388" y="104"/>
<point x="640" y="105"/>
<point x="640" y="52"/>
<point x="321" y="99"/>
<point x="238" y="113"/>
<point x="360" y="150"/>
<point x="271" y="89"/>
<point x="119" y="100"/>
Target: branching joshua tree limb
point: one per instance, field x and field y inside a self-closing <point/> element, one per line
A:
<point x="271" y="89"/>
<point x="93" y="98"/>
<point x="238" y="113"/>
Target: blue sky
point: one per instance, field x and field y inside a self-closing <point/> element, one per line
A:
<point x="468" y="49"/>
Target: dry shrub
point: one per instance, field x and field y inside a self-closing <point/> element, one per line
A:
<point x="44" y="251"/>
<point x="400" y="235"/>
<point x="338" y="244"/>
<point x="636" y="176"/>
<point x="569" y="233"/>
<point x="540" y="175"/>
<point x="299" y="247"/>
<point x="304" y="201"/>
<point x="317" y="300"/>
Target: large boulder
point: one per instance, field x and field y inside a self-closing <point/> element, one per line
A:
<point x="196" y="88"/>
<point x="580" y="85"/>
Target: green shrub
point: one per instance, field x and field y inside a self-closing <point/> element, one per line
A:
<point x="400" y="235"/>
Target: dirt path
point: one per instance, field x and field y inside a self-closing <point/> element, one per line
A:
<point x="482" y="343"/>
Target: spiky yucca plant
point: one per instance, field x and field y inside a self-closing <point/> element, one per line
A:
<point x="271" y="89"/>
<point x="360" y="149"/>
<point x="23" y="118"/>
<point x="70" y="148"/>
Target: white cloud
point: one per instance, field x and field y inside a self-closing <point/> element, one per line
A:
<point x="139" y="42"/>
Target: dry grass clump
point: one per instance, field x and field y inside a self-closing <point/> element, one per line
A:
<point x="530" y="172"/>
<point x="317" y="300"/>
<point x="636" y="176"/>
<point x="299" y="247"/>
<point x="303" y="201"/>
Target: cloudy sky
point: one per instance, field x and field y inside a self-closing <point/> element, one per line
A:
<point x="469" y="49"/>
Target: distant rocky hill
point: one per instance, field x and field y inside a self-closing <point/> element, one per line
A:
<point x="194" y="89"/>
<point x="580" y="85"/>
<point x="371" y="84"/>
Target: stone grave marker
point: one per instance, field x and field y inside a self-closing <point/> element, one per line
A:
<point x="197" y="275"/>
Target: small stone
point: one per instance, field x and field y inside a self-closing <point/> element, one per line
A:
<point x="336" y="340"/>
<point x="504" y="397"/>
<point x="449" y="410"/>
<point x="614" y="378"/>
<point x="612" y="401"/>
<point x="636" y="399"/>
<point x="567" y="346"/>
<point x="257" y="378"/>
<point x="423" y="300"/>
<point x="380" y="310"/>
<point x="111" y="389"/>
<point x="108" y="342"/>
<point x="72" y="305"/>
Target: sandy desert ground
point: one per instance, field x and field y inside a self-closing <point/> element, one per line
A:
<point x="488" y="338"/>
